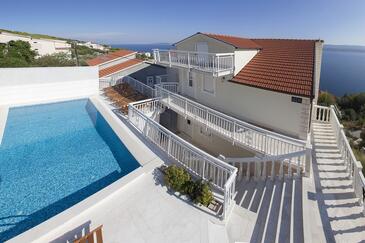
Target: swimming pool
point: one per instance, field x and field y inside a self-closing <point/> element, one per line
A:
<point x="53" y="156"/>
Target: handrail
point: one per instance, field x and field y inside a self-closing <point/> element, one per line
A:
<point x="198" y="150"/>
<point x="266" y="158"/>
<point x="217" y="63"/>
<point x="194" y="52"/>
<point x="232" y="127"/>
<point x="139" y="86"/>
<point x="262" y="166"/>
<point x="353" y="166"/>
<point x="221" y="175"/>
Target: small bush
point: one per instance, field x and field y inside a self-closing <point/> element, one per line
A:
<point x="205" y="195"/>
<point x="179" y="180"/>
<point x="176" y="178"/>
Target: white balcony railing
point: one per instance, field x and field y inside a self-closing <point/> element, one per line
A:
<point x="239" y="132"/>
<point x="201" y="164"/>
<point x="269" y="166"/>
<point x="217" y="63"/>
<point x="353" y="166"/>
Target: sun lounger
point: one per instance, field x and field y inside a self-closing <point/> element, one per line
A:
<point x="90" y="237"/>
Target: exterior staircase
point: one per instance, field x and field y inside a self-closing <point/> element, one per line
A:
<point x="341" y="210"/>
<point x="277" y="204"/>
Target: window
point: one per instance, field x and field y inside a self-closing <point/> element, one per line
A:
<point x="208" y="84"/>
<point x="150" y="81"/>
<point x="188" y="121"/>
<point x="190" y="79"/>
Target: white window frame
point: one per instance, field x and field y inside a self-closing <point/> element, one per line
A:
<point x="148" y="80"/>
<point x="213" y="84"/>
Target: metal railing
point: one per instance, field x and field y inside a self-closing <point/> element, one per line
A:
<point x="237" y="131"/>
<point x="199" y="163"/>
<point x="161" y="78"/>
<point x="216" y="63"/>
<point x="270" y="166"/>
<point x="321" y="113"/>
<point x="353" y="166"/>
<point x="139" y="86"/>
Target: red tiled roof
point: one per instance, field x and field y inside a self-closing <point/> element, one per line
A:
<point x="238" y="42"/>
<point x="108" y="57"/>
<point x="281" y="65"/>
<point x="118" y="67"/>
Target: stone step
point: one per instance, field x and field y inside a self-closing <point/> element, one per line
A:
<point x="326" y="161"/>
<point x="322" y="125"/>
<point x="327" y="150"/>
<point x="320" y="140"/>
<point x="326" y="128"/>
<point x="324" y="136"/>
<point x="323" y="133"/>
<point x="329" y="155"/>
<point x="325" y="145"/>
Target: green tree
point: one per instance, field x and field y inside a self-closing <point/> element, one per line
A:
<point x="326" y="99"/>
<point x="16" y="54"/>
<point x="54" y="60"/>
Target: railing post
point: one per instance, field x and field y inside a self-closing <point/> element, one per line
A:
<point x="308" y="159"/>
<point x="218" y="65"/>
<point x="186" y="109"/>
<point x="169" y="58"/>
<point x="169" y="146"/>
<point x="188" y="60"/>
<point x="233" y="131"/>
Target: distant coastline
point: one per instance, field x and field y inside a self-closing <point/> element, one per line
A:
<point x="143" y="47"/>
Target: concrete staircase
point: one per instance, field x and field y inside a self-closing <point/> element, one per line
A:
<point x="277" y="204"/>
<point x="340" y="209"/>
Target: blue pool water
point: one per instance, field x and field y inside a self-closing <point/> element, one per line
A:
<point x="52" y="157"/>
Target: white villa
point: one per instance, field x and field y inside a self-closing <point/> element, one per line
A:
<point x="238" y="112"/>
<point x="94" y="45"/>
<point x="41" y="45"/>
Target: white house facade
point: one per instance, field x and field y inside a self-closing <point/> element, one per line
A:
<point x="252" y="90"/>
<point x="42" y="46"/>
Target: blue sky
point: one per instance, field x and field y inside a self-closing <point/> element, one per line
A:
<point x="156" y="21"/>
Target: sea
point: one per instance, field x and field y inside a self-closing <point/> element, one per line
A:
<point x="342" y="72"/>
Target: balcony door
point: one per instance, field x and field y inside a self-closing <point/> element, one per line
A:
<point x="203" y="60"/>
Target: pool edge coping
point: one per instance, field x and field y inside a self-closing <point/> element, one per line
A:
<point x="4" y="112"/>
<point x="55" y="223"/>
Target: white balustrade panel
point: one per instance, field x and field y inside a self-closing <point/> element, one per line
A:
<point x="201" y="164"/>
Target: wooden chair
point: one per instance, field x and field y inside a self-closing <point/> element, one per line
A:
<point x="89" y="238"/>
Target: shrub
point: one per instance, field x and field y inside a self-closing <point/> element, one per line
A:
<point x="179" y="180"/>
<point x="176" y="178"/>
<point x="326" y="99"/>
<point x="199" y="192"/>
<point x="205" y="195"/>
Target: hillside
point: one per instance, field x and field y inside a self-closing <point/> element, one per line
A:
<point x="37" y="35"/>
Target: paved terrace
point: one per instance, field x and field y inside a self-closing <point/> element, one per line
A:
<point x="319" y="208"/>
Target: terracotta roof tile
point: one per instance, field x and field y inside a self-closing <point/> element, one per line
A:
<point x="281" y="65"/>
<point x="108" y="57"/>
<point x="118" y="67"/>
<point x="238" y="42"/>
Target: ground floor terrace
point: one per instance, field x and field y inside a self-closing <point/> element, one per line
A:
<point x="282" y="206"/>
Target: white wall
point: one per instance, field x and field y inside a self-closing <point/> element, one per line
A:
<point x="42" y="46"/>
<point x="32" y="85"/>
<point x="208" y="141"/>
<point x="241" y="58"/>
<point x="268" y="109"/>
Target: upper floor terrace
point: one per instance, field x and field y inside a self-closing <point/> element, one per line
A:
<point x="219" y="64"/>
